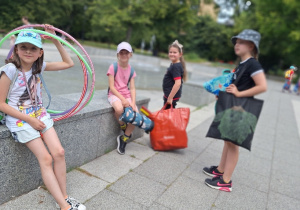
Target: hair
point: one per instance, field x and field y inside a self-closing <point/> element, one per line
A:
<point x="254" y="52"/>
<point x="181" y="59"/>
<point x="25" y="17"/>
<point x="36" y="66"/>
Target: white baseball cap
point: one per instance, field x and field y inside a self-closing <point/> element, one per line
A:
<point x="124" y="46"/>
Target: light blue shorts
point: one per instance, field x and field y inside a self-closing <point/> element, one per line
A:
<point x="25" y="136"/>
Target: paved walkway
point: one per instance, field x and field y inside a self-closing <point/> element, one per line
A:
<point x="265" y="178"/>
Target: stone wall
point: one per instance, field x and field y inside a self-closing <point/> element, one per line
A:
<point x="195" y="94"/>
<point x="85" y="136"/>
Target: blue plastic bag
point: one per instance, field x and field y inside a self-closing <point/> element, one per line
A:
<point x="220" y="83"/>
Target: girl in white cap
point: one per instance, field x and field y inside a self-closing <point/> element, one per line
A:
<point x="252" y="82"/>
<point x="120" y="74"/>
<point x="27" y="119"/>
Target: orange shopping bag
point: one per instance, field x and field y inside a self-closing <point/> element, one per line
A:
<point x="169" y="132"/>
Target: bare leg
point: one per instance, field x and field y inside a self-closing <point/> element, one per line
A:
<point x="57" y="151"/>
<point x="119" y="109"/>
<point x="221" y="166"/>
<point x="129" y="129"/>
<point x="45" y="161"/>
<point x="231" y="161"/>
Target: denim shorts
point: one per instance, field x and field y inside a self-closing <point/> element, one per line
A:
<point x="27" y="135"/>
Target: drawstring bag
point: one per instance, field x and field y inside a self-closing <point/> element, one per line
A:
<point x="169" y="132"/>
<point x="236" y="118"/>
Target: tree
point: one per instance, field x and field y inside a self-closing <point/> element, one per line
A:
<point x="211" y="40"/>
<point x="278" y="21"/>
<point x="65" y="14"/>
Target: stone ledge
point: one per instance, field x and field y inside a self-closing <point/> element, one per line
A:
<point x="89" y="134"/>
<point x="195" y="94"/>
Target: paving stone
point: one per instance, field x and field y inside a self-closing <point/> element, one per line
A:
<point x="280" y="201"/>
<point x="195" y="171"/>
<point x="241" y="197"/>
<point x="82" y="186"/>
<point x="186" y="193"/>
<point x="250" y="179"/>
<point x="156" y="206"/>
<point x="107" y="199"/>
<point x="286" y="183"/>
<point x="161" y="168"/>
<point x="139" y="151"/>
<point x="138" y="188"/>
<point x="34" y="200"/>
<point x="112" y="166"/>
<point x="183" y="155"/>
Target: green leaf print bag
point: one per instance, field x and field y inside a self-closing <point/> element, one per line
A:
<point x="236" y="118"/>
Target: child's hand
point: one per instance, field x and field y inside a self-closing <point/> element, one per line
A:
<point x="170" y="100"/>
<point x="125" y="103"/>
<point x="49" y="29"/>
<point x="133" y="106"/>
<point x="36" y="124"/>
<point x="232" y="89"/>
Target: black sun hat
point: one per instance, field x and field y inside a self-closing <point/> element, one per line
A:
<point x="249" y="35"/>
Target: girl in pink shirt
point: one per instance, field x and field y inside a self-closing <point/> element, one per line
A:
<point x="119" y="95"/>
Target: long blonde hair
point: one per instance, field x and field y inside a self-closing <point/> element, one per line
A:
<point x="36" y="66"/>
<point x="179" y="46"/>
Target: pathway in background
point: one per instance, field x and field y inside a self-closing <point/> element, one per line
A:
<point x="265" y="178"/>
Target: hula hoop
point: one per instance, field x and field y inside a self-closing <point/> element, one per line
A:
<point x="91" y="93"/>
<point x="76" y="42"/>
<point x="76" y="108"/>
<point x="85" y="87"/>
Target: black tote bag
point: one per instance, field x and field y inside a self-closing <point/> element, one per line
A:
<point x="236" y="118"/>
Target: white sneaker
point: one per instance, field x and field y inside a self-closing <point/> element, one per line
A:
<point x="75" y="204"/>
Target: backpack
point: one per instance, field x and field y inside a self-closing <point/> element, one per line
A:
<point x="116" y="70"/>
<point x="2" y="114"/>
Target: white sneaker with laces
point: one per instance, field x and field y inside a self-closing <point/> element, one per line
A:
<point x="75" y="204"/>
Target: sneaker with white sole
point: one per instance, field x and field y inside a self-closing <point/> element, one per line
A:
<point x="218" y="183"/>
<point x="122" y="141"/>
<point x="212" y="171"/>
<point x="75" y="204"/>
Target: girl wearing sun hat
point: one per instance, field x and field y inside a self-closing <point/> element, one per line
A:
<point x="251" y="83"/>
<point x="27" y="119"/>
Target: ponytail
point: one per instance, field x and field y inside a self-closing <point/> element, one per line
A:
<point x="184" y="68"/>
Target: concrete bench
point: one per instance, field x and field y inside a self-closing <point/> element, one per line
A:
<point x="195" y="94"/>
<point x="85" y="136"/>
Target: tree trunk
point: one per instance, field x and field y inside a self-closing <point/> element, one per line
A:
<point x="129" y="32"/>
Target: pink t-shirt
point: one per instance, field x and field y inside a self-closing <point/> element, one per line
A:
<point x="121" y="80"/>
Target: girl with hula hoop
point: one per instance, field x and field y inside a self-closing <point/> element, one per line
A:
<point x="27" y="119"/>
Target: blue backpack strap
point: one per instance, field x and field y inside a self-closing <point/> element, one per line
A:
<point x="47" y="91"/>
<point x="115" y="72"/>
<point x="115" y="68"/>
<point x="131" y="74"/>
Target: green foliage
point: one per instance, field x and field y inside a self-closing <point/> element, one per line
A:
<point x="210" y="40"/>
<point x="135" y="20"/>
<point x="279" y="23"/>
<point x="111" y="21"/>
<point x="68" y="15"/>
